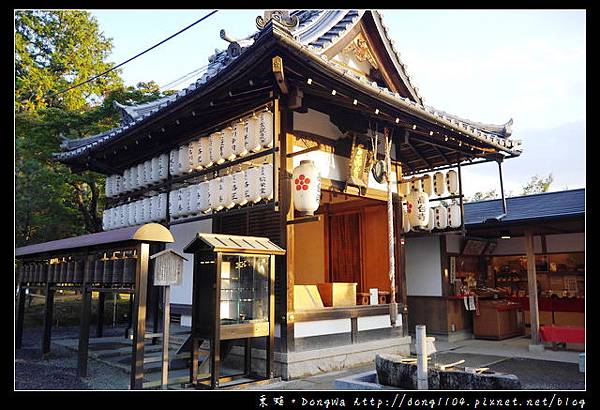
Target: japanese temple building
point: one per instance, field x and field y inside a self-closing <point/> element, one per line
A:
<point x="330" y="79"/>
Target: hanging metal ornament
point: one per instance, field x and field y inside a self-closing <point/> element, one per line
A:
<point x="378" y="166"/>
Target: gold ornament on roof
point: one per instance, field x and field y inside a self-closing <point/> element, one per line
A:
<point x="360" y="47"/>
<point x="281" y="16"/>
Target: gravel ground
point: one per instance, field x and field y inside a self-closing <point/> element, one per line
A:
<point x="59" y="372"/>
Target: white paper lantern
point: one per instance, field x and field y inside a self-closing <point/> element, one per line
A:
<point x="204" y="159"/>
<point x="139" y="212"/>
<point x="106" y="220"/>
<point x="141" y="170"/>
<point x="228" y="202"/>
<point x="154" y="204"/>
<point x="148" y="172"/>
<point x="265" y="129"/>
<point x="123" y="216"/>
<point x="441" y="217"/>
<point x="439" y="183"/>
<point x="193" y="199"/>
<point x="454" y="220"/>
<point x="415" y="186"/>
<point x="431" y="221"/>
<point x="252" y="193"/>
<point x="129" y="214"/>
<point x="146" y="209"/>
<point x="214" y="194"/>
<point x="252" y="137"/>
<point x="134" y="182"/>
<point x="404" y="189"/>
<point x="427" y="184"/>
<point x="174" y="161"/>
<point x="173" y="204"/>
<point x="163" y="167"/>
<point x="113" y="218"/>
<point x="118" y="185"/>
<point x="405" y="218"/>
<point x="193" y="153"/>
<point x="126" y="181"/>
<point x="184" y="165"/>
<point x="239" y="187"/>
<point x="108" y="186"/>
<point x="266" y="182"/>
<point x="162" y="207"/>
<point x="306" y="187"/>
<point x="417" y="203"/>
<point x="183" y="201"/>
<point x="202" y="197"/>
<point x="238" y="139"/>
<point x="155" y="169"/>
<point x="228" y="153"/>
<point x="452" y="182"/>
<point x="216" y="148"/>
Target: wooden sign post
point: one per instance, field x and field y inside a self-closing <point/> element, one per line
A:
<point x="168" y="269"/>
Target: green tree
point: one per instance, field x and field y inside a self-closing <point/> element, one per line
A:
<point x="482" y="196"/>
<point x="54" y="50"/>
<point x="537" y="185"/>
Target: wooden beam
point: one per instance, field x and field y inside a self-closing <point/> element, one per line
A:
<point x="84" y="327"/>
<point x="279" y="76"/>
<point x="20" y="313"/>
<point x="532" y="285"/>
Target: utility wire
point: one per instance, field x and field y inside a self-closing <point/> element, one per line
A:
<point x="137" y="55"/>
<point x="184" y="77"/>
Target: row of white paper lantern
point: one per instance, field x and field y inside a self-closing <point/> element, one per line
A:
<point x="240" y="188"/>
<point x="152" y="209"/>
<point x="437" y="184"/>
<point x="243" y="137"/>
<point x="438" y="217"/>
<point x="144" y="174"/>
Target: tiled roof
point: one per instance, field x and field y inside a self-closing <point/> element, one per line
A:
<point x="316" y="31"/>
<point x="545" y="205"/>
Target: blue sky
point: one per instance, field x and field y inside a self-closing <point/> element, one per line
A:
<point x="485" y="65"/>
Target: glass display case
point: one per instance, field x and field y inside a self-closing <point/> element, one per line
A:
<point x="232" y="300"/>
<point x="244" y="289"/>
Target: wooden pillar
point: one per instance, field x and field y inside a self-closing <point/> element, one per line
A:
<point x="130" y="315"/>
<point x="84" y="329"/>
<point x="270" y="353"/>
<point x="100" y="322"/>
<point x="139" y="318"/>
<point x="20" y="315"/>
<point x="215" y="342"/>
<point x="532" y="284"/>
<point x="48" y="321"/>
<point x="284" y="124"/>
<point x="195" y="341"/>
<point x="400" y="255"/>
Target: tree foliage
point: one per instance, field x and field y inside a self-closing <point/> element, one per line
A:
<point x="482" y="196"/>
<point x="54" y="50"/>
<point x="537" y="185"/>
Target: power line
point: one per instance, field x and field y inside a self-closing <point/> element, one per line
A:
<point x="184" y="77"/>
<point x="137" y="55"/>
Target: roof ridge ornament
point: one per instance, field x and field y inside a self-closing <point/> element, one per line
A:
<point x="281" y="16"/>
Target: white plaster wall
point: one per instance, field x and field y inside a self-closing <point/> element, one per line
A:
<point x="316" y="122"/>
<point x="321" y="327"/>
<point x="376" y="322"/>
<point x="183" y="234"/>
<point x="423" y="266"/>
<point x="569" y="242"/>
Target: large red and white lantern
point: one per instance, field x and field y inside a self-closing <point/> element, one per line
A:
<point x="417" y="203"/>
<point x="306" y="187"/>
